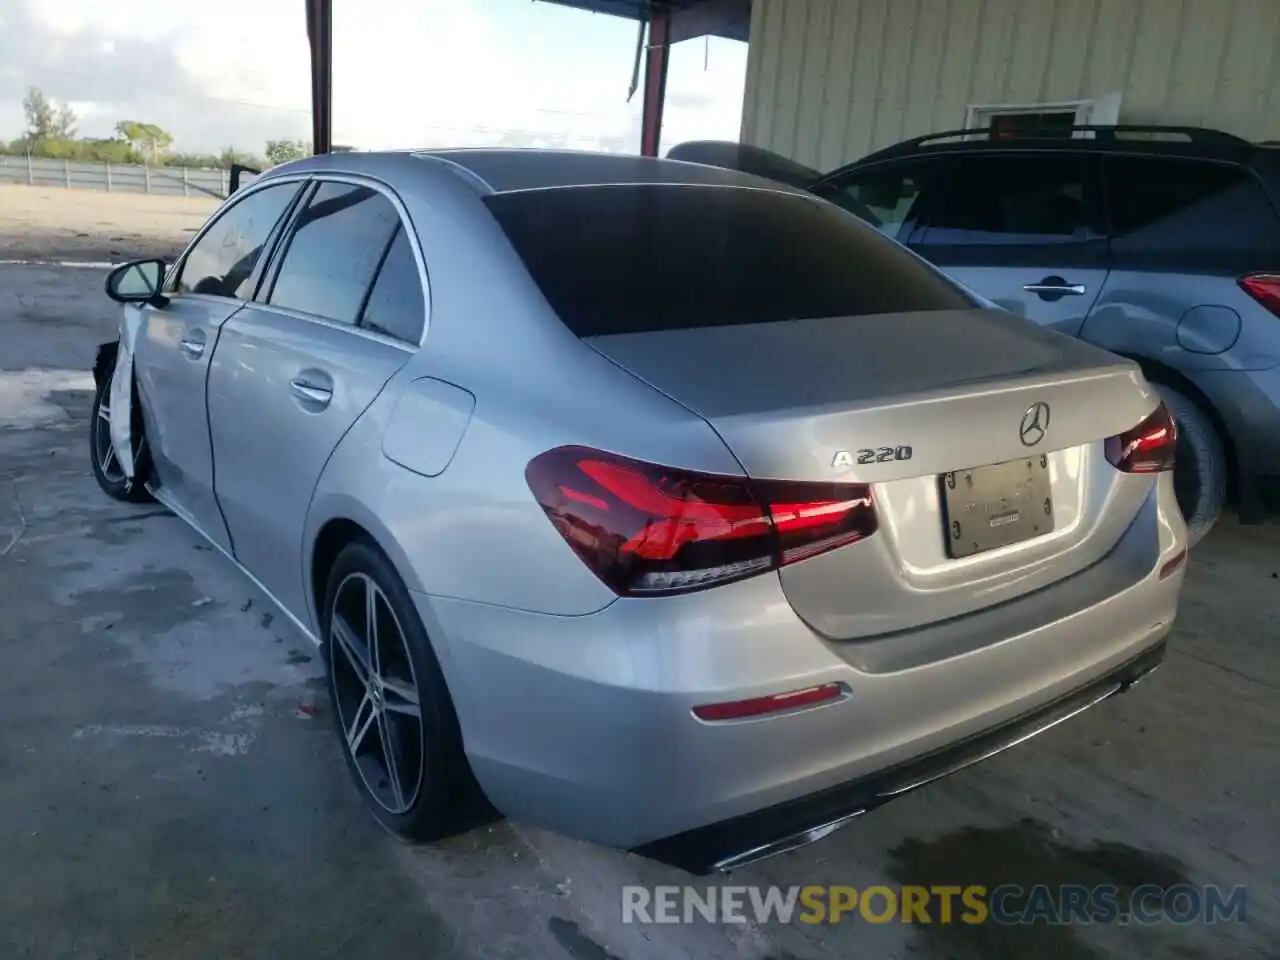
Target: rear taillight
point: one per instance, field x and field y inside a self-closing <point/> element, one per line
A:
<point x="1265" y="288"/>
<point x="645" y="529"/>
<point x="1147" y="448"/>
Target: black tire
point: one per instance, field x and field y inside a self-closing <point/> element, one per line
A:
<point x="1200" y="476"/>
<point x="106" y="470"/>
<point x="446" y="799"/>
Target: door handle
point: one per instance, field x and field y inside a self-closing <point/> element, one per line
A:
<point x="310" y="393"/>
<point x="193" y="347"/>
<point x="1060" y="289"/>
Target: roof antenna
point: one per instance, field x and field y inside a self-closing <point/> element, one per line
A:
<point x="635" y="66"/>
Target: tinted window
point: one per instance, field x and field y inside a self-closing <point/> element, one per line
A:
<point x="334" y="251"/>
<point x="884" y="198"/>
<point x="396" y="306"/>
<point x="1174" y="205"/>
<point x="639" y="257"/>
<point x="1005" y="199"/>
<point x="222" y="261"/>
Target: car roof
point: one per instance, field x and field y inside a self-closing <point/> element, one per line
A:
<point x="505" y="170"/>
<point x="1132" y="140"/>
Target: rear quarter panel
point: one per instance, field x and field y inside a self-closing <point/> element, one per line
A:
<point x="1184" y="320"/>
<point x="474" y="531"/>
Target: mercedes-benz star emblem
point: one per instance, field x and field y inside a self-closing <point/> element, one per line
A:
<point x="1035" y="424"/>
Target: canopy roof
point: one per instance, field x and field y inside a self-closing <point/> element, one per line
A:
<point x="689" y="18"/>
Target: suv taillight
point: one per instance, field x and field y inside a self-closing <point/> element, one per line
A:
<point x="1265" y="288"/>
<point x="1147" y="448"/>
<point x="645" y="529"/>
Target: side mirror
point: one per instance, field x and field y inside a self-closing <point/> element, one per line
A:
<point x="137" y="282"/>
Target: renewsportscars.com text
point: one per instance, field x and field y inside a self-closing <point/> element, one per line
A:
<point x="1006" y="904"/>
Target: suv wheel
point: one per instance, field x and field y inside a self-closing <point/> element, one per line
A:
<point x="1200" y="477"/>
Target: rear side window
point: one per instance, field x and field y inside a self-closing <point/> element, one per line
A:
<point x="334" y="251"/>
<point x="1176" y="209"/>
<point x="642" y="257"/>
<point x="985" y="200"/>
<point x="396" y="306"/>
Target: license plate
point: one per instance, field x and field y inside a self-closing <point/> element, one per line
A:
<point x="989" y="507"/>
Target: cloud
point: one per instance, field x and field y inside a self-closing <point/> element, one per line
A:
<point x="132" y="67"/>
<point x="237" y="72"/>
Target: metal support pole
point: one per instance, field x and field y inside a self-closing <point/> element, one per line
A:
<point x="655" y="79"/>
<point x="108" y="176"/>
<point x="320" y="35"/>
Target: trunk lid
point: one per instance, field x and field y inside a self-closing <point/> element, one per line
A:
<point x="897" y="401"/>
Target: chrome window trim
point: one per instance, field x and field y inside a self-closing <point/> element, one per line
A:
<point x="351" y="328"/>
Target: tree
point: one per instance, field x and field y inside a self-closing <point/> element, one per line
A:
<point x="282" y="151"/>
<point x="230" y="157"/>
<point x="148" y="139"/>
<point x="64" y="123"/>
<point x="45" y="120"/>
<point x="40" y="116"/>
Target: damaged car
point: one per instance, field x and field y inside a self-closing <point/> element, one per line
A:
<point x="658" y="504"/>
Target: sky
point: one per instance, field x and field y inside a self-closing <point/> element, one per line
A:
<point x="407" y="73"/>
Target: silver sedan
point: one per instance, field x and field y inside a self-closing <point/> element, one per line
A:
<point x="650" y="502"/>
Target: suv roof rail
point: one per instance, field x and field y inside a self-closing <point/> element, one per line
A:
<point x="1203" y="136"/>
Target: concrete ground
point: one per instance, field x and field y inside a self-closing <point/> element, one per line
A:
<point x="170" y="787"/>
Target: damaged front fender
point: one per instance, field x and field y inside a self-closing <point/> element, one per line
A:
<point x="115" y="361"/>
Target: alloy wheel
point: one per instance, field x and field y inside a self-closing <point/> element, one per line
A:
<point x="376" y="694"/>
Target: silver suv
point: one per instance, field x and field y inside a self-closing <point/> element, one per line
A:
<point x="1158" y="243"/>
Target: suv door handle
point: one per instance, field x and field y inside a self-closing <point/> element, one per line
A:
<point x="193" y="345"/>
<point x="1056" y="287"/>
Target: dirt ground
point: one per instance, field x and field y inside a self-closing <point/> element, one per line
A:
<point x="171" y="788"/>
<point x="51" y="224"/>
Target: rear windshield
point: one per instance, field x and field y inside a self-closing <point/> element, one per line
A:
<point x="642" y="257"/>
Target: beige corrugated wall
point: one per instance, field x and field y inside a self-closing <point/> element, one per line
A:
<point x="830" y="80"/>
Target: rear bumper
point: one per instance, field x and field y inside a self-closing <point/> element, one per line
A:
<point x="584" y="724"/>
<point x="786" y="826"/>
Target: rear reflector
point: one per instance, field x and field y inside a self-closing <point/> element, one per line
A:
<point x="758" y="706"/>
<point x="1265" y="288"/>
<point x="1147" y="448"/>
<point x="645" y="529"/>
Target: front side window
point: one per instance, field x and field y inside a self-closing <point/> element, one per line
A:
<point x="222" y="261"/>
<point x="1003" y="199"/>
<point x="643" y="257"/>
<point x="334" y="251"/>
<point x="883" y="198"/>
